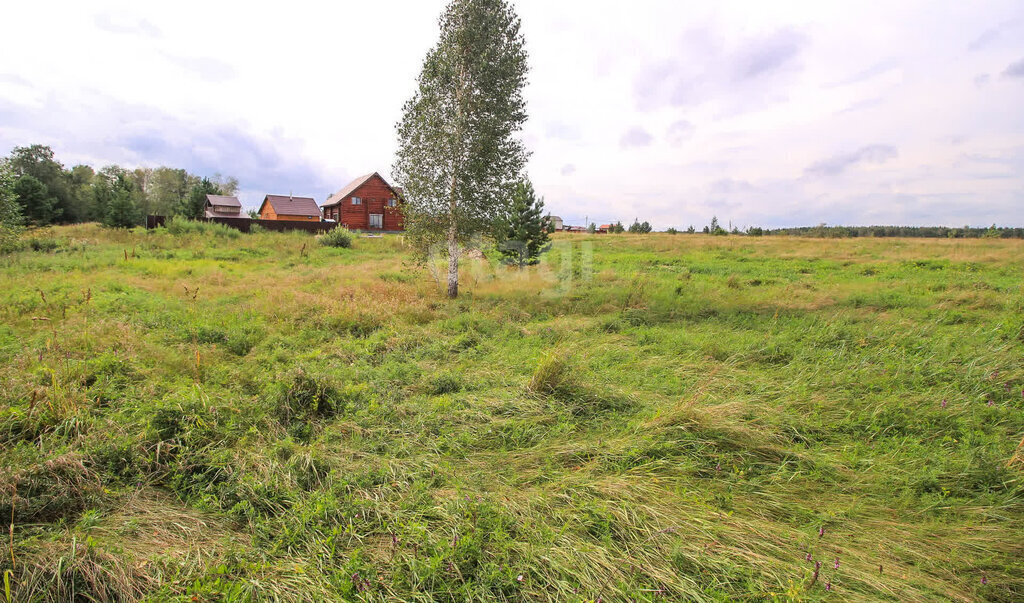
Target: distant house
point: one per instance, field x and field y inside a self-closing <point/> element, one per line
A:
<point x="604" y="228"/>
<point x="555" y="222"/>
<point x="221" y="206"/>
<point x="367" y="203"/>
<point x="287" y="207"/>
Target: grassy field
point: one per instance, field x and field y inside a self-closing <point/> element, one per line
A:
<point x="215" y="416"/>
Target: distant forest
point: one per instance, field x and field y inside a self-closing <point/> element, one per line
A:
<point x="843" y="232"/>
<point x="48" y="193"/>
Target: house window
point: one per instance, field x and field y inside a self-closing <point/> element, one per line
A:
<point x="391" y="203"/>
<point x="356" y="201"/>
<point x="376" y="220"/>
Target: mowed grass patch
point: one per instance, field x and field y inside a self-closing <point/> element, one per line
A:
<point x="192" y="415"/>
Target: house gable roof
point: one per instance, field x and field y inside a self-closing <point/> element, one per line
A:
<point x="287" y="205"/>
<point x="351" y="187"/>
<point x="223" y="201"/>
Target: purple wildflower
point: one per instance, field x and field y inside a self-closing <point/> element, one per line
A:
<point x="944" y="402"/>
<point x="718" y="467"/>
<point x="984" y="579"/>
<point x="808" y="557"/>
<point x="821" y="531"/>
<point x="828" y="586"/>
<point x="990" y="402"/>
<point x="836" y="564"/>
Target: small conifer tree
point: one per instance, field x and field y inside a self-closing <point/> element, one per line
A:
<point x="523" y="234"/>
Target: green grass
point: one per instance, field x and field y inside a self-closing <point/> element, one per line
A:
<point x="193" y="415"/>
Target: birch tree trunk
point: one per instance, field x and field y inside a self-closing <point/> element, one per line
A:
<point x="453" y="256"/>
<point x="453" y="225"/>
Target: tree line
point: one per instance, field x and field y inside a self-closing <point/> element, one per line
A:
<point x="942" y="232"/>
<point x="843" y="232"/>
<point x="637" y="227"/>
<point x="41" y="191"/>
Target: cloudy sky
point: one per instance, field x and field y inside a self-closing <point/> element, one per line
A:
<point x="762" y="113"/>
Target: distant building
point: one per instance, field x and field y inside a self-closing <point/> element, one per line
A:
<point x="555" y="222"/>
<point x="287" y="207"/>
<point x="367" y="203"/>
<point x="221" y="206"/>
<point x="604" y="228"/>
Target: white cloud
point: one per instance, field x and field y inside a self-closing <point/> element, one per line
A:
<point x="763" y="113"/>
<point x="636" y="137"/>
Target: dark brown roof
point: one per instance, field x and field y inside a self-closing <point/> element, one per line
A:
<point x="223" y="201"/>
<point x="350" y="188"/>
<point x="286" y="205"/>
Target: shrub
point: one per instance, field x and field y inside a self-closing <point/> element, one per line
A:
<point x="9" y="240"/>
<point x="338" y="237"/>
<point x="180" y="226"/>
<point x="43" y="245"/>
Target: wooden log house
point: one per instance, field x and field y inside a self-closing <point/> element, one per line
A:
<point x="367" y="203"/>
<point x="287" y="207"/>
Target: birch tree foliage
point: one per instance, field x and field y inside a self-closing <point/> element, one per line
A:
<point x="10" y="211"/>
<point x="459" y="154"/>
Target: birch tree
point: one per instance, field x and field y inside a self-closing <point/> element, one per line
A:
<point x="459" y="154"/>
<point x="10" y="211"/>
